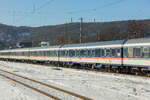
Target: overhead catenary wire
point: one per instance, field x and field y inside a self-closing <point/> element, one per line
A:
<point x="96" y="8"/>
<point x="35" y="10"/>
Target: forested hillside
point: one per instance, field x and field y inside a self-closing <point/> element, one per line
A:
<point x="69" y="33"/>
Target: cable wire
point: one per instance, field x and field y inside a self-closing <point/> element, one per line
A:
<point x="99" y="7"/>
<point x="35" y="10"/>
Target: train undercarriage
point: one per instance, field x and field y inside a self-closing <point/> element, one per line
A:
<point x="131" y="70"/>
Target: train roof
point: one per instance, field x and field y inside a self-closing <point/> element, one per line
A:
<point x="27" y="49"/>
<point x="84" y="45"/>
<point x="116" y="43"/>
<point x="96" y="44"/>
<point x="138" y="42"/>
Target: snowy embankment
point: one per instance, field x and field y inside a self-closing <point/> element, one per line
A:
<point x="98" y="86"/>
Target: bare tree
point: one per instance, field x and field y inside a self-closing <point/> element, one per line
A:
<point x="135" y="29"/>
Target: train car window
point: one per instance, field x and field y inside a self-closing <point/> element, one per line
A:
<point x="72" y="53"/>
<point x="113" y="53"/>
<point x="125" y="52"/>
<point x="83" y="53"/>
<point x="5" y="53"/>
<point x="118" y="52"/>
<point x="107" y="52"/>
<point x="58" y="53"/>
<point x="55" y="53"/>
<point x="13" y="53"/>
<point x="130" y="52"/>
<point x="31" y="53"/>
<point x="28" y="53"/>
<point x="38" y="53"/>
<point x="77" y="53"/>
<point x="102" y="52"/>
<point x="50" y="53"/>
<point x="97" y="52"/>
<point x="47" y="53"/>
<point x="90" y="53"/>
<point x="145" y="52"/>
<point x="22" y="53"/>
<point x="42" y="53"/>
<point x="66" y="53"/>
<point x="18" y="53"/>
<point x="35" y="53"/>
<point x="62" y="53"/>
<point x="93" y="53"/>
<point x="137" y="52"/>
<point x="25" y="54"/>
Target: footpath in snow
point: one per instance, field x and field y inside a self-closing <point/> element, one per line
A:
<point x="98" y="86"/>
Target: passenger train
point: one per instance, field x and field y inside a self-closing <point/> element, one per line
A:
<point x="119" y="55"/>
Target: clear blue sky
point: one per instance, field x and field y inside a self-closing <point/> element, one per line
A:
<point x="52" y="12"/>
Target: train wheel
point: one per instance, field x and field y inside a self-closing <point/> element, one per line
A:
<point x="118" y="70"/>
<point x="148" y="73"/>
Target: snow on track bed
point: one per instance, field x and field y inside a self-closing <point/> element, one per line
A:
<point x="54" y="92"/>
<point x="98" y="86"/>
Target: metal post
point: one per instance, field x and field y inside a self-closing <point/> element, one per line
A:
<point x="81" y="21"/>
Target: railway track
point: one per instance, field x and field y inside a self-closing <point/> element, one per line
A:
<point x="45" y="89"/>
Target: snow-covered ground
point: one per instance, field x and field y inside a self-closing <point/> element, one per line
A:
<point x="98" y="86"/>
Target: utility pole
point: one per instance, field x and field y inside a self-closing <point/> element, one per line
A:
<point x="13" y="17"/>
<point x="98" y="36"/>
<point x="66" y="34"/>
<point x="98" y="32"/>
<point x="71" y="20"/>
<point x="81" y="27"/>
<point x="94" y="20"/>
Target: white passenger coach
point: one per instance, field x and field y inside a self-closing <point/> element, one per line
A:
<point x="122" y="54"/>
